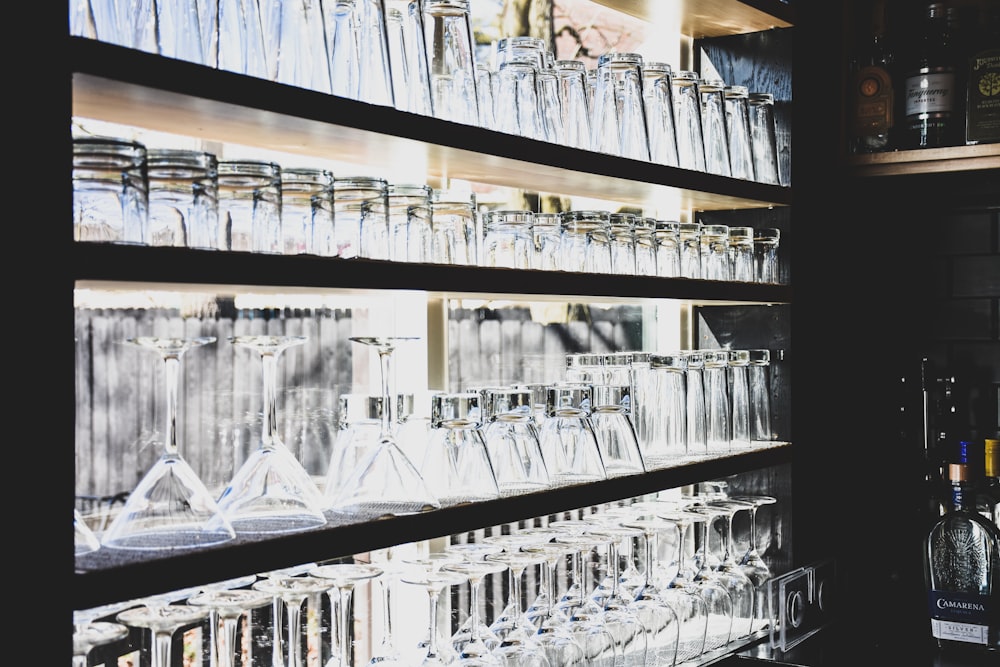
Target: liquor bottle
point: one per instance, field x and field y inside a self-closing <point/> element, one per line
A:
<point x="988" y="494"/>
<point x="931" y="108"/>
<point x="872" y="100"/>
<point x="982" y="115"/>
<point x="962" y="572"/>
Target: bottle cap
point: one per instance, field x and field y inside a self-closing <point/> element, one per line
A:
<point x="992" y="467"/>
<point x="958" y="472"/>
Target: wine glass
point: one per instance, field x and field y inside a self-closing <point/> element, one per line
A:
<point x="681" y="593"/>
<point x="516" y="646"/>
<point x="170" y="507"/>
<point x="752" y="564"/>
<point x="385" y="482"/>
<point x="226" y="608"/>
<point x="735" y="583"/>
<point x="619" y="619"/>
<point x="88" y="636"/>
<point x="271" y="492"/>
<point x="584" y="616"/>
<point x="288" y="593"/>
<point x="476" y="652"/>
<point x="344" y="577"/>
<point x="162" y="621"/>
<point x="553" y="636"/>
<point x="433" y="580"/>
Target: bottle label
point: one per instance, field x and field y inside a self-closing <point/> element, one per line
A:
<point x="957" y="616"/>
<point x="930" y="91"/>
<point x="983" y="125"/>
<point x="873" y="105"/>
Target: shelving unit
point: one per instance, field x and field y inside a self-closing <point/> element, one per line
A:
<point x="119" y="85"/>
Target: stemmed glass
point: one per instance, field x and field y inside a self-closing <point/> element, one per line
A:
<point x="516" y="647"/>
<point x="386" y="654"/>
<point x="713" y="581"/>
<point x="288" y="593"/>
<point x="751" y="562"/>
<point x="553" y="636"/>
<point x="475" y="651"/>
<point x="682" y="594"/>
<point x="271" y="492"/>
<point x="618" y="617"/>
<point x="162" y="621"/>
<point x="344" y="577"/>
<point x="85" y="541"/>
<point x="170" y="507"/>
<point x="657" y="617"/>
<point x="434" y="581"/>
<point x="226" y="608"/>
<point x="88" y="636"/>
<point x="744" y="591"/>
<point x="385" y="482"/>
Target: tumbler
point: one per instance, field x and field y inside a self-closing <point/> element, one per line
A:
<point x="517" y="102"/>
<point x="715" y="252"/>
<point x="658" y="98"/>
<point x="584" y="242"/>
<point x="765" y="248"/>
<point x="645" y="246"/>
<point x="546" y="235"/>
<point x="759" y="387"/>
<point x="763" y="138"/>
<point x="296" y="41"/>
<point x="619" y="119"/>
<point x="738" y="130"/>
<point x="358" y="49"/>
<point x="689" y="239"/>
<point x="110" y="196"/>
<point x="621" y="238"/>
<point x="361" y="217"/>
<point x="404" y="26"/>
<point x="573" y="102"/>
<point x="741" y="256"/>
<point x="716" y="135"/>
<point x="407" y="248"/>
<point x="507" y="239"/>
<point x="668" y="422"/>
<point x="307" y="212"/>
<point x="183" y="198"/>
<point x="241" y="38"/>
<point x="697" y="417"/>
<point x="451" y="60"/>
<point x="739" y="395"/>
<point x="454" y="227"/>
<point x="687" y="121"/>
<point x="569" y="444"/>
<point x="718" y="408"/>
<point x="250" y="206"/>
<point x="668" y="248"/>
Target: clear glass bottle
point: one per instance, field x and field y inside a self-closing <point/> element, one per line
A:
<point x="871" y="110"/>
<point x="962" y="571"/>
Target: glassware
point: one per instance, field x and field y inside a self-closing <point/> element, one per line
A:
<point x="752" y="564"/>
<point x="162" y="621"/>
<point x="241" y="46"/>
<point x="584" y="243"/>
<point x="288" y="593"/>
<point x="456" y="466"/>
<point x="553" y="636"/>
<point x="658" y="98"/>
<point x="688" y="121"/>
<point x="185" y="32"/>
<point x="517" y="102"/>
<point x="721" y="600"/>
<point x="407" y="245"/>
<point x="618" y="617"/>
<point x="386" y="483"/>
<point x="718" y="404"/>
<point x="451" y="60"/>
<point x="714" y="244"/>
<point x="621" y="238"/>
<point x="763" y="138"/>
<point x="697" y="416"/>
<point x="358" y="436"/>
<point x="297" y="44"/>
<point x="739" y="394"/>
<point x="358" y="50"/>
<point x="716" y="135"/>
<point x="549" y="103"/>
<point x="110" y="194"/>
<point x="475" y="651"/>
<point x="88" y="636"/>
<point x="738" y="131"/>
<point x="84" y="539"/>
<point x="170" y="507"/>
<point x="682" y="594"/>
<point x="610" y="417"/>
<point x="741" y="257"/>
<point x="667" y="442"/>
<point x="619" y="119"/>
<point x="433" y="581"/>
<point x="645" y="246"/>
<point x="765" y="249"/>
<point x="574" y="104"/>
<point x="250" y="206"/>
<point x="507" y="238"/>
<point x="744" y="612"/>
<point x="307" y="212"/>
<point x="453" y="227"/>
<point x="516" y="647"/>
<point x="759" y="389"/>
<point x="183" y="198"/>
<point x="361" y="217"/>
<point x="344" y="577"/>
<point x="271" y="492"/>
<point x="668" y="249"/>
<point x="568" y="441"/>
<point x="226" y="608"/>
<point x="404" y="26"/>
<point x="486" y="97"/>
<point x="689" y="238"/>
<point x="512" y="441"/>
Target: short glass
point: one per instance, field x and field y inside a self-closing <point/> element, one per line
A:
<point x="765" y="248"/>
<point x="250" y="206"/>
<point x="183" y="198"/>
<point x="361" y="217"/>
<point x="110" y="197"/>
<point x="307" y="212"/>
<point x="507" y="239"/>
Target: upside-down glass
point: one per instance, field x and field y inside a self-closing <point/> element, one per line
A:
<point x="187" y="30"/>
<point x="718" y="406"/>
<point x="226" y="608"/>
<point x="110" y="195"/>
<point x="763" y="138"/>
<point x="667" y="442"/>
<point x="451" y="60"/>
<point x="250" y="206"/>
<point x="738" y="130"/>
<point x="688" y="121"/>
<point x="546" y="234"/>
<point x="584" y="242"/>
<point x="714" y="244"/>
<point x="358" y="50"/>
<point x="681" y="593"/>
<point x="507" y="239"/>
<point x="697" y="417"/>
<point x="645" y="246"/>
<point x="296" y="40"/>
<point x="613" y="428"/>
<point x="241" y="41"/>
<point x="512" y="441"/>
<point x="619" y="117"/>
<point x="741" y="258"/>
<point x="765" y="250"/>
<point x="453" y="227"/>
<point x="486" y="95"/>
<point x="404" y="26"/>
<point x="88" y="636"/>
<point x="658" y="618"/>
<point x="407" y="246"/>
<point x="475" y="652"/>
<point x="658" y="98"/>
<point x="343" y="577"/>
<point x="689" y="240"/>
<point x="618" y="617"/>
<point x="518" y="106"/>
<point x="759" y="381"/>
<point x="162" y="621"/>
<point x="668" y="249"/>
<point x="621" y="238"/>
<point x="516" y="648"/>
<point x="569" y="445"/>
<point x="360" y="424"/>
<point x="183" y="198"/>
<point x="289" y="592"/>
<point x="307" y="212"/>
<point x="361" y="217"/>
<point x="713" y="124"/>
<point x="739" y="394"/>
<point x="574" y="105"/>
<point x="723" y="595"/>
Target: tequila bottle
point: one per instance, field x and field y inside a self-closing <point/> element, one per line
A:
<point x="962" y="572"/>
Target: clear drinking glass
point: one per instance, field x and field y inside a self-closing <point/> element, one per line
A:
<point x="718" y="404"/>
<point x="569" y="445"/>
<point x="619" y="117"/>
<point x="404" y="247"/>
<point x="512" y="441"/>
<point x="358" y="48"/>
<point x="574" y="105"/>
<point x="454" y="228"/>
<point x="738" y="130"/>
<point x="241" y="38"/>
<point x="451" y="60"/>
<point x="613" y="428"/>
<point x="763" y="138"/>
<point x="716" y="134"/>
<point x="546" y="233"/>
<point x="187" y="30"/>
<point x="296" y="39"/>
<point x="307" y="212"/>
<point x="549" y="103"/>
<point x="668" y="430"/>
<point x="584" y="241"/>
<point x="361" y="217"/>
<point x="741" y="257"/>
<point x="714" y="245"/>
<point x="668" y="248"/>
<point x="110" y="194"/>
<point x="697" y="417"/>
<point x="689" y="238"/>
<point x="485" y="88"/>
<point x="658" y="98"/>
<point x="404" y="26"/>
<point x="90" y="635"/>
<point x="621" y="238"/>
<point x="250" y="206"/>
<point x="162" y="622"/>
<point x="518" y="106"/>
<point x="645" y="246"/>
<point x="759" y="381"/>
<point x="688" y="121"/>
<point x="183" y="198"/>
<point x="765" y="248"/>
<point x="739" y="392"/>
<point x="507" y="238"/>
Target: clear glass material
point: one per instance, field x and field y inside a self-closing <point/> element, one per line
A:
<point x="621" y="238"/>
<point x="765" y="249"/>
<point x="485" y="92"/>
<point x="658" y="98"/>
<point x="718" y="404"/>
<point x="743" y="591"/>
<point x="407" y="247"/>
<point x="358" y="50"/>
<point x="697" y="417"/>
<point x="739" y="394"/>
<point x="434" y="582"/>
<point x="738" y="130"/>
<point x="752" y="564"/>
<point x="420" y="234"/>
<point x="361" y="217"/>
<point x="714" y="245"/>
<point x="476" y="651"/>
<point x="741" y="257"/>
<point x="250" y="206"/>
<point x="668" y="428"/>
<point x="110" y="195"/>
<point x="307" y="212"/>
<point x="611" y="419"/>
<point x="689" y="239"/>
<point x="271" y="492"/>
<point x="507" y="239"/>
<point x="658" y="618"/>
<point x="759" y="389"/>
<point x="451" y="60"/>
<point x="687" y="121"/>
<point x="617" y="615"/>
<point x="569" y="444"/>
<point x="241" y="38"/>
<point x="162" y="621"/>
<point x="763" y="138"/>
<point x="668" y="248"/>
<point x="454" y="227"/>
<point x="88" y="636"/>
<point x="344" y="577"/>
<point x="226" y="608"/>
<point x="187" y="30"/>
<point x="546" y="233"/>
<point x="681" y="593"/>
<point x="518" y="105"/>
<point x="517" y="647"/>
<point x="619" y="117"/>
<point x="404" y="25"/>
<point x="584" y="242"/>
<point x="360" y="425"/>
<point x="512" y="441"/>
<point x="170" y="507"/>
<point x="645" y="246"/>
<point x="288" y="593"/>
<point x="296" y="40"/>
<point x="549" y="104"/>
<point x="386" y="482"/>
<point x="574" y="104"/>
<point x="716" y="134"/>
<point x="183" y="198"/>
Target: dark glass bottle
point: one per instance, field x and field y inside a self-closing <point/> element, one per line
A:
<point x="982" y="116"/>
<point x="931" y="108"/>
<point x="872" y="105"/>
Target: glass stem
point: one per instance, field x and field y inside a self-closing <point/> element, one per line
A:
<point x="227" y="640"/>
<point x="432" y="641"/>
<point x="277" y="610"/>
<point x="651" y="550"/>
<point x="294" y="613"/>
<point x="162" y="643"/>
<point x="753" y="534"/>
<point x="383" y="357"/>
<point x="343" y="624"/>
<point x="515" y="596"/>
<point x="474" y="585"/>
<point x="386" y="614"/>
<point x="171" y="370"/>
<point x="269" y="375"/>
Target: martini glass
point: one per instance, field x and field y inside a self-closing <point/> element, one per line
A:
<point x="288" y="593"/>
<point x="162" y="621"/>
<point x="84" y="538"/>
<point x="226" y="608"/>
<point x="516" y="647"/>
<point x="88" y="636"/>
<point x="433" y="580"/>
<point x="476" y="652"/>
<point x="343" y="577"/>
<point x="271" y="492"/>
<point x="170" y="508"/>
<point x="385" y="482"/>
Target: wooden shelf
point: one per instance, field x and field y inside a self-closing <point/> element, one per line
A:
<point x="109" y="576"/>
<point x="927" y="161"/>
<point x="129" y="87"/>
<point x="709" y="18"/>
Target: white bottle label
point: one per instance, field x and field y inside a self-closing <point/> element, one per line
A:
<point x="959" y="632"/>
<point x="930" y="92"/>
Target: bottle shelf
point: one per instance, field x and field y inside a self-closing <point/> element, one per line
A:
<point x="108" y="576"/>
<point x="926" y="161"/>
<point x="129" y="87"/>
<point x="711" y="18"/>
